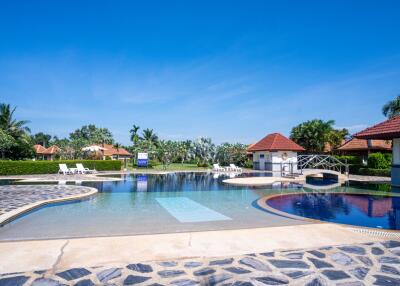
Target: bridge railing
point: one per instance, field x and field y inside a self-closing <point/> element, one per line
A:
<point x="326" y="162"/>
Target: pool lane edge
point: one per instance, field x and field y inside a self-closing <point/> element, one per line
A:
<point x="262" y="204"/>
<point x="14" y="214"/>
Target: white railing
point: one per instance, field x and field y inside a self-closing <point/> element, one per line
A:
<point x="326" y="162"/>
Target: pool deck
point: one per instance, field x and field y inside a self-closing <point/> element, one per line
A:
<point x="295" y="254"/>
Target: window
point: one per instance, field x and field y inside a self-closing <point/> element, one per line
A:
<point x="261" y="156"/>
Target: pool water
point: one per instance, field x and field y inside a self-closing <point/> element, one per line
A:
<point x="368" y="210"/>
<point x="144" y="204"/>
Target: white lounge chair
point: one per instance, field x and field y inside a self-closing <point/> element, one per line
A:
<point x="64" y="169"/>
<point x="234" y="168"/>
<point x="218" y="168"/>
<point x="82" y="170"/>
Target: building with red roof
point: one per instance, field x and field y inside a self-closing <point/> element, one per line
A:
<point x="108" y="150"/>
<point x="275" y="153"/>
<point x="42" y="153"/>
<point x="387" y="130"/>
<point x="363" y="147"/>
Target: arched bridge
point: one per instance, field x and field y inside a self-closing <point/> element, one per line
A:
<point x="326" y="165"/>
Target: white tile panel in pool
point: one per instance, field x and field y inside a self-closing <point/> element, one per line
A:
<point x="187" y="210"/>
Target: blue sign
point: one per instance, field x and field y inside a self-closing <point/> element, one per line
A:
<point x="143" y="159"/>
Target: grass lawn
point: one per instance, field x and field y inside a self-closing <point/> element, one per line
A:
<point x="176" y="166"/>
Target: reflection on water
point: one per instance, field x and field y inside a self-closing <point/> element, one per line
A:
<point x="356" y="209"/>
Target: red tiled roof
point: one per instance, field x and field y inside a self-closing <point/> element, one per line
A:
<point x="362" y="144"/>
<point x="52" y="150"/>
<point x="275" y="142"/>
<point x="110" y="150"/>
<point x="39" y="149"/>
<point x="388" y="129"/>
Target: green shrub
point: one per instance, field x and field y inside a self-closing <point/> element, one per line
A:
<point x="202" y="165"/>
<point x="51" y="167"/>
<point x="248" y="164"/>
<point x="374" y="172"/>
<point x="378" y="161"/>
<point x="351" y="160"/>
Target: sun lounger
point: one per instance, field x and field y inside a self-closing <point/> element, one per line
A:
<point x="64" y="169"/>
<point x="234" y="168"/>
<point x="82" y="170"/>
<point x="218" y="168"/>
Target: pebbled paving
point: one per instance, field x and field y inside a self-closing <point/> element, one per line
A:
<point x="348" y="265"/>
<point x="13" y="197"/>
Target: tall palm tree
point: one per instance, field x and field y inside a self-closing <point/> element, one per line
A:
<point x="117" y="146"/>
<point x="150" y="136"/>
<point x="10" y="125"/>
<point x="134" y="134"/>
<point x="392" y="108"/>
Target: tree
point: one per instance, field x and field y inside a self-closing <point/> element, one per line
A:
<point x="117" y="146"/>
<point x="92" y="135"/>
<point x="134" y="134"/>
<point x="314" y="134"/>
<point x="227" y="153"/>
<point x="165" y="152"/>
<point x="204" y="150"/>
<point x="42" y="139"/>
<point x="336" y="137"/>
<point x="150" y="136"/>
<point x="6" y="142"/>
<point x="392" y="108"/>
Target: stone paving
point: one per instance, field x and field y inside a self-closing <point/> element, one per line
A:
<point x="375" y="263"/>
<point x="370" y="179"/>
<point x="14" y="197"/>
<point x="101" y="176"/>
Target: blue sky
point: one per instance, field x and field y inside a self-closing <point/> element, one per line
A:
<point x="230" y="70"/>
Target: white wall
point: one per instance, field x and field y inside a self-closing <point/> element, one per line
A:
<point x="276" y="158"/>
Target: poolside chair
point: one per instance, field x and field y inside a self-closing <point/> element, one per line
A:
<point x="218" y="168"/>
<point x="234" y="168"/>
<point x="82" y="170"/>
<point x="64" y="169"/>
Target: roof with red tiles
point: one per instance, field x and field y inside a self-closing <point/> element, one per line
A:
<point x="110" y="150"/>
<point x="388" y="129"/>
<point x="39" y="149"/>
<point x="364" y="144"/>
<point x="275" y="142"/>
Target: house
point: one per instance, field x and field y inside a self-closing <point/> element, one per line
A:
<point x="363" y="147"/>
<point x="275" y="153"/>
<point x="109" y="151"/>
<point x="387" y="130"/>
<point x="42" y="153"/>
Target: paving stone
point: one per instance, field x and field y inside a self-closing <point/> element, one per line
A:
<point x="255" y="264"/>
<point x="204" y="271"/>
<point x="359" y="272"/>
<point x="297" y="273"/>
<point x="192" y="264"/>
<point x="320" y="263"/>
<point x="237" y="270"/>
<point x="289" y="264"/>
<point x="366" y="260"/>
<point x="294" y="255"/>
<point x="73" y="273"/>
<point x="272" y="280"/>
<point x="377" y="251"/>
<point x="390" y="270"/>
<point x="351" y="283"/>
<point x="268" y="254"/>
<point x="13" y="281"/>
<point x="335" y="274"/>
<point x="168" y="263"/>
<point x="170" y="273"/>
<point x="45" y="282"/>
<point x="39" y="272"/>
<point x="317" y="253"/>
<point x="108" y="274"/>
<point x="217" y="278"/>
<point x="184" y="282"/>
<point x="353" y="249"/>
<point x="133" y="279"/>
<point x="221" y="261"/>
<point x="154" y="284"/>
<point x="383" y="280"/>
<point x="342" y="259"/>
<point x="391" y="243"/>
<point x="388" y="259"/>
<point x="241" y="283"/>
<point x="317" y="282"/>
<point x="139" y="267"/>
<point x="85" y="282"/>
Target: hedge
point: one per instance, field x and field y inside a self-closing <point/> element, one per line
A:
<point x="374" y="172"/>
<point x="51" y="167"/>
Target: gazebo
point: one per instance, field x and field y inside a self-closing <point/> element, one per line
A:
<point x="387" y="130"/>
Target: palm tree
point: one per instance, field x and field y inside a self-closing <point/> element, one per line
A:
<point x="134" y="134"/>
<point x="392" y="108"/>
<point x="150" y="136"/>
<point x="10" y="125"/>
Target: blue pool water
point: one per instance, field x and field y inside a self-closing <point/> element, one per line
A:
<point x="174" y="202"/>
<point x="378" y="211"/>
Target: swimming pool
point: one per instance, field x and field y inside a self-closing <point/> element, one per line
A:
<point x="148" y="204"/>
<point x="368" y="210"/>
